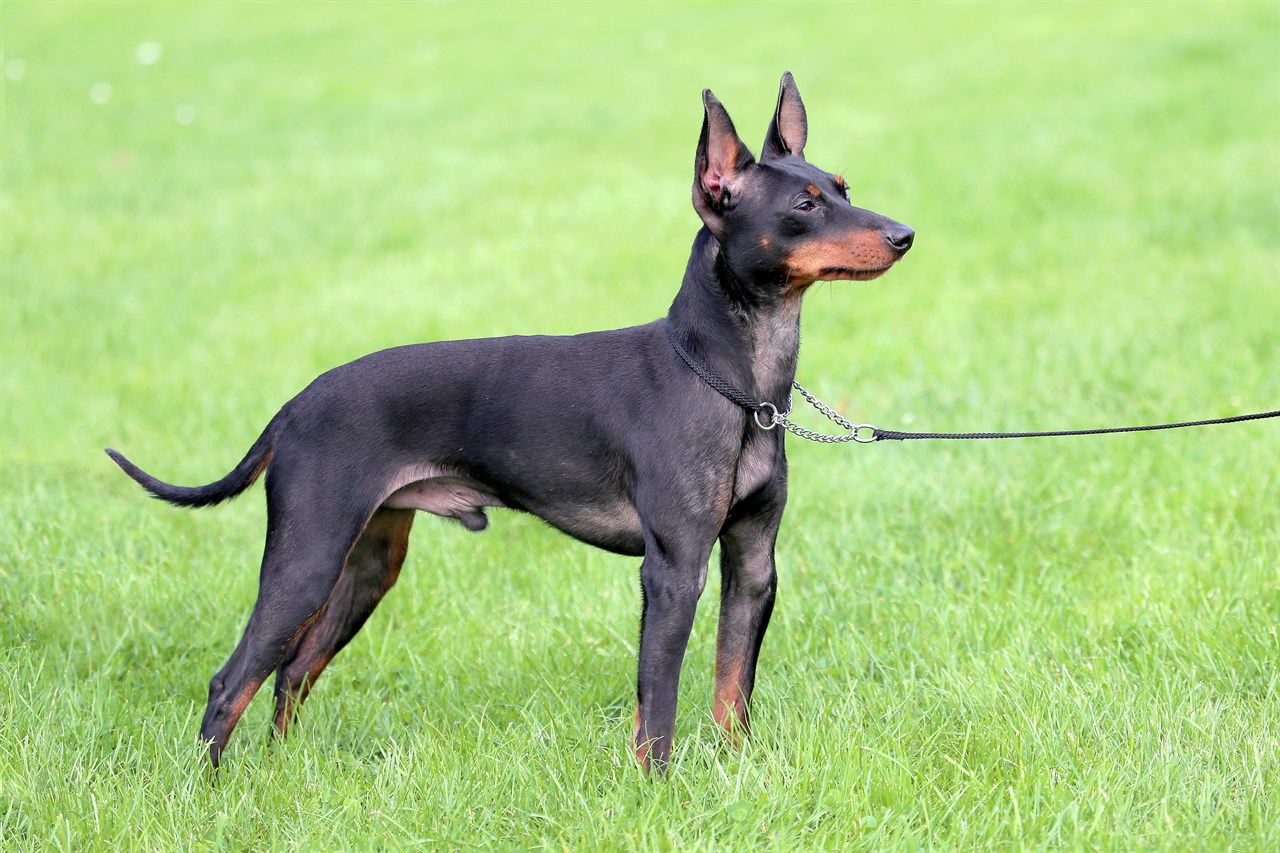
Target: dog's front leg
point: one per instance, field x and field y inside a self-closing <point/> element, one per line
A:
<point x="671" y="584"/>
<point x="748" y="582"/>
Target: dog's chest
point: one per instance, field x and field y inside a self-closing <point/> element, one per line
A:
<point x="756" y="464"/>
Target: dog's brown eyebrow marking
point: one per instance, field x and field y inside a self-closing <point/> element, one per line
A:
<point x="841" y="182"/>
<point x="813" y="191"/>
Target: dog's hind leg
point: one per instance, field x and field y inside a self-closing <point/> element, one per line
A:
<point x="371" y="570"/>
<point x="748" y="581"/>
<point x="308" y="540"/>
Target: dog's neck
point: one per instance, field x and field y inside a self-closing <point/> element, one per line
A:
<point x="748" y="337"/>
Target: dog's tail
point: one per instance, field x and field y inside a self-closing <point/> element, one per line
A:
<point x="240" y="478"/>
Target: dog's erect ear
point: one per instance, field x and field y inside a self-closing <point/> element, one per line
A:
<point x="790" y="128"/>
<point x="722" y="157"/>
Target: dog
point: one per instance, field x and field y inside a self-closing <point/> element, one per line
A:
<point x="608" y="436"/>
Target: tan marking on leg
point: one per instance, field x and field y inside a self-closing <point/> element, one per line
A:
<point x="640" y="746"/>
<point x="297" y="694"/>
<point x="729" y="709"/>
<point x="243" y="700"/>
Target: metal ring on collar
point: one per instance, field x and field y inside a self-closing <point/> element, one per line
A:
<point x="773" y="417"/>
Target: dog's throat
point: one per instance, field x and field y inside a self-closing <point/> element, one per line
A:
<point x="775" y="346"/>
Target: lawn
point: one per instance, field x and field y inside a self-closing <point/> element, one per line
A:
<point x="1058" y="643"/>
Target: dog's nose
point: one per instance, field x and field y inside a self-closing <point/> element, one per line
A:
<point x="900" y="236"/>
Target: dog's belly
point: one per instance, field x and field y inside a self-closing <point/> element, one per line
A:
<point x="612" y="524"/>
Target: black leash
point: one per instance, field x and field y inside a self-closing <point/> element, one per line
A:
<point x="894" y="435"/>
<point x="866" y="433"/>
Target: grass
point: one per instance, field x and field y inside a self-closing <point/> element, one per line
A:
<point x="1058" y="644"/>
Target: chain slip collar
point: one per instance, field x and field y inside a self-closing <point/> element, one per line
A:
<point x="766" y="415"/>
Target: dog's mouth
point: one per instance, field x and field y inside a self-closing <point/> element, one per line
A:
<point x="851" y="274"/>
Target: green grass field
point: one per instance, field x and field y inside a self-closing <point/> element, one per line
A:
<point x="1059" y="644"/>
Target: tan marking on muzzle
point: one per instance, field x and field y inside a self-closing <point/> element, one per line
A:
<point x="857" y="256"/>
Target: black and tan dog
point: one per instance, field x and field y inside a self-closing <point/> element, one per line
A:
<point x="608" y="436"/>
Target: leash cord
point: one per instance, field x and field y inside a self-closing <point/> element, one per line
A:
<point x="894" y="435"/>
<point x="866" y="433"/>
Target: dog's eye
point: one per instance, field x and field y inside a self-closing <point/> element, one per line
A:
<point x="805" y="205"/>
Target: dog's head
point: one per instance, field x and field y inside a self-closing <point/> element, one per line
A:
<point x="781" y="221"/>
